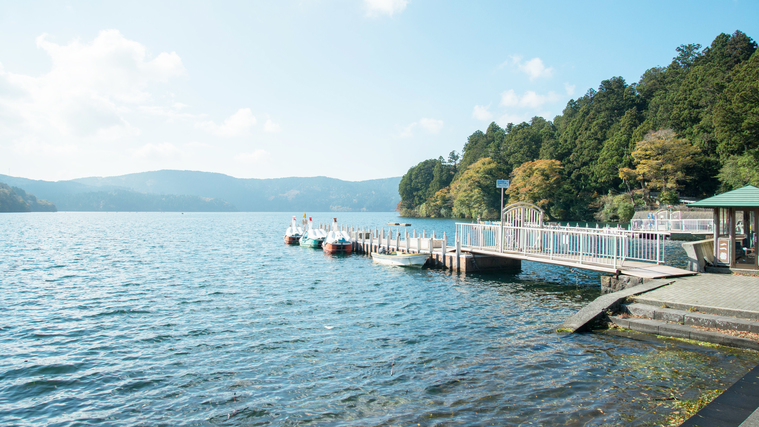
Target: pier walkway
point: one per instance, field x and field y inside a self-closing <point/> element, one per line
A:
<point x="522" y="234"/>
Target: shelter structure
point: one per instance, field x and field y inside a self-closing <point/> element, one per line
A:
<point x="736" y="221"/>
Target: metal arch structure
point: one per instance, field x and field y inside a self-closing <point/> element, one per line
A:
<point x="518" y="221"/>
<point x="522" y="214"/>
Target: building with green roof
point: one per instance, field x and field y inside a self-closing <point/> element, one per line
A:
<point x="736" y="221"/>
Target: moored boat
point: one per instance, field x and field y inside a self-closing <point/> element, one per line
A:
<point x="337" y="241"/>
<point x="400" y="259"/>
<point x="313" y="237"/>
<point x="293" y="233"/>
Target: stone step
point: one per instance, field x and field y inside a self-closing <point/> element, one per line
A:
<point x="658" y="327"/>
<point x="718" y="311"/>
<point x="691" y="318"/>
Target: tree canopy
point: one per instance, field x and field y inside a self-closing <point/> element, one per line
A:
<point x="690" y="128"/>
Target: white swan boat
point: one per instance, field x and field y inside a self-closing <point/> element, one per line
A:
<point x="293" y="233"/>
<point x="337" y="241"/>
<point x="313" y="237"/>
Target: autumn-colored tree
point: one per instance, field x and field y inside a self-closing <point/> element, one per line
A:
<point x="474" y="193"/>
<point x="661" y="160"/>
<point x="536" y="182"/>
<point x="439" y="205"/>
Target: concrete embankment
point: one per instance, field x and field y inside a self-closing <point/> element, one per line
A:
<point x="677" y="307"/>
<point x="721" y="309"/>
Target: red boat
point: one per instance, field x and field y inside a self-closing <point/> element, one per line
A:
<point x="337" y="241"/>
<point x="293" y="234"/>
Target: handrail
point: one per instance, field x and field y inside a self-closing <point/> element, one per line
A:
<point x="606" y="246"/>
<point x="700" y="225"/>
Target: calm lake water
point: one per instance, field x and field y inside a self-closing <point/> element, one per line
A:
<point x="209" y="319"/>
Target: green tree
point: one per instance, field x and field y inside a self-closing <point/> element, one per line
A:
<point x="480" y="145"/>
<point x="415" y="184"/>
<point x="442" y="175"/>
<point x="475" y="194"/>
<point x="619" y="208"/>
<point x="522" y="142"/>
<point x="615" y="152"/>
<point x="739" y="171"/>
<point x="736" y="116"/>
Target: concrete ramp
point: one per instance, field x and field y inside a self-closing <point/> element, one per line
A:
<point x="584" y="319"/>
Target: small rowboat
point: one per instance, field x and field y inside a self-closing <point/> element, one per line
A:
<point x="400" y="259"/>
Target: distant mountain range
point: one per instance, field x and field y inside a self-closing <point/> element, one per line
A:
<point x="190" y="191"/>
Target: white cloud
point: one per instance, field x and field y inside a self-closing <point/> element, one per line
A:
<point x="482" y="113"/>
<point x="197" y="145"/>
<point x="238" y="124"/>
<point x="253" y="157"/>
<point x="89" y="90"/>
<point x="569" y="88"/>
<point x="170" y="112"/>
<point x="384" y="7"/>
<point x="162" y="151"/>
<point x="530" y="99"/>
<point x="270" y="126"/>
<point x="27" y="146"/>
<point x="507" y="118"/>
<point x="408" y="131"/>
<point x="509" y="98"/>
<point x="534" y="68"/>
<point x="431" y="125"/>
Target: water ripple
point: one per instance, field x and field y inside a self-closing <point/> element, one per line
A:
<point x="208" y="319"/>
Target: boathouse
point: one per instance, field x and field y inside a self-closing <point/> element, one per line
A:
<point x="736" y="221"/>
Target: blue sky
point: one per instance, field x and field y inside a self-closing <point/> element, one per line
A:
<point x="347" y="89"/>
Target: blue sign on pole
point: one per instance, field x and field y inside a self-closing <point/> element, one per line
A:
<point x="502" y="183"/>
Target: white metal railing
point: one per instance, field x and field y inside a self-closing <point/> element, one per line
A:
<point x="704" y="226"/>
<point x="606" y="246"/>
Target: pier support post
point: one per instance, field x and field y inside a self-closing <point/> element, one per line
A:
<point x="458" y="256"/>
<point x="444" y="249"/>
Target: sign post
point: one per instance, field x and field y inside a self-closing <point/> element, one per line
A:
<point x="501" y="183"/>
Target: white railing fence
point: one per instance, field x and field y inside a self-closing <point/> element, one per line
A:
<point x="678" y="225"/>
<point x="606" y="246"/>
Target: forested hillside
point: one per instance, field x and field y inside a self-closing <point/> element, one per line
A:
<point x="688" y="129"/>
<point x="14" y="199"/>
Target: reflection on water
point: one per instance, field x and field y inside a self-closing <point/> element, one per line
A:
<point x="205" y="319"/>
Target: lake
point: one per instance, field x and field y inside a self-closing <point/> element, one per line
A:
<point x="209" y="319"/>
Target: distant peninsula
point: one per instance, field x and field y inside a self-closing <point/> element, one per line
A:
<point x="193" y="191"/>
<point x="14" y="199"/>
